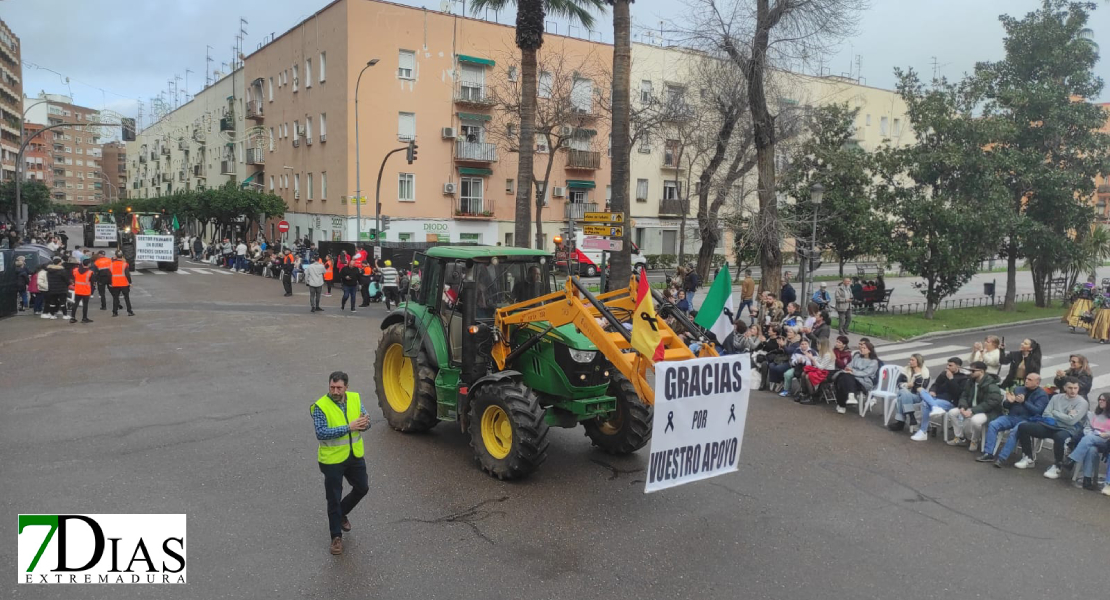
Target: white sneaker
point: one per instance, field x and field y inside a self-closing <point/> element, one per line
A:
<point x="1052" y="473"/>
<point x="45" y="316"/>
<point x="920" y="436"/>
<point x="937" y="411"/>
<point x="852" y="400"/>
<point x="841" y="409"/>
<point x="1106" y="490"/>
<point x="973" y="447"/>
<point x="1025" y="463"/>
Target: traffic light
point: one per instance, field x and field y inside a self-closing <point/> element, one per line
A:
<point x="410" y="154"/>
<point x="385" y="222"/>
<point x="128" y="129"/>
<point x="373" y="235"/>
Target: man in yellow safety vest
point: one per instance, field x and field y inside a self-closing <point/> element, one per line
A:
<point x="340" y="420"/>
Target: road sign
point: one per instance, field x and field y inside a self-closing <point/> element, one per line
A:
<point x="600" y="217"/>
<point x="283" y="226"/>
<point x="600" y="243"/>
<point x="603" y="230"/>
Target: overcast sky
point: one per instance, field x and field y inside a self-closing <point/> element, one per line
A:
<point x="117" y="52"/>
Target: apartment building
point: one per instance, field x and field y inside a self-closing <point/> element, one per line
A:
<point x="434" y="83"/>
<point x="11" y="108"/>
<point x="200" y="145"/>
<point x="113" y="170"/>
<point x="37" y="157"/>
<point x="75" y="147"/>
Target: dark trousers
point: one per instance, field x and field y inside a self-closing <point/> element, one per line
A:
<point x="314" y="296"/>
<point x="55" y="303"/>
<point x="745" y="311"/>
<point x="390" y="292"/>
<point x="354" y="469"/>
<point x="116" y="293"/>
<point x="102" y="289"/>
<point x="846" y="384"/>
<point x="1036" y="429"/>
<point x="287" y="283"/>
<point x="83" y="301"/>
<point x="328" y="283"/>
<point x="364" y="287"/>
<point x="349" y="291"/>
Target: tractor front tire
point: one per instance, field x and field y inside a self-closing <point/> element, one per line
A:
<point x="628" y="428"/>
<point x="508" y="432"/>
<point x="405" y="387"/>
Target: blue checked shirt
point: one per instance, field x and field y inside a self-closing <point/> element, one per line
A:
<point x="323" y="432"/>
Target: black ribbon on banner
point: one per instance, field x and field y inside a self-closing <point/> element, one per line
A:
<point x="670" y="422"/>
<point x="732" y="413"/>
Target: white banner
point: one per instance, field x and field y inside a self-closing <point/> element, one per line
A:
<point x="701" y="406"/>
<point x="158" y="248"/>
<point x="105" y="232"/>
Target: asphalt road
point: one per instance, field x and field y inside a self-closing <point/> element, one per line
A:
<point x="199" y="405"/>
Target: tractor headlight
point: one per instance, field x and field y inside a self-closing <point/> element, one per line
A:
<point x="127" y="230"/>
<point x="582" y="356"/>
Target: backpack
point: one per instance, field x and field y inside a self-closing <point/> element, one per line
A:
<point x="43" y="281"/>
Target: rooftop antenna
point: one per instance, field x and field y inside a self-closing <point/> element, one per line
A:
<point x="187" y="71"/>
<point x="207" y="65"/>
<point x="176" y="99"/>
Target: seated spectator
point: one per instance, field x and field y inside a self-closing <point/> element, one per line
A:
<point x="857" y="290"/>
<point x="819" y="330"/>
<point x="1023" y="361"/>
<point x="814" y="375"/>
<point x="1062" y="417"/>
<point x="1095" y="441"/>
<point x="740" y="341"/>
<point x="1021" y="404"/>
<point x="842" y="353"/>
<point x="1080" y="370"/>
<point x="683" y="304"/>
<point x="792" y="318"/>
<point x="803" y="357"/>
<point x="858" y="377"/>
<point x="766" y="354"/>
<point x="988" y="352"/>
<point x="916" y="377"/>
<point x="980" y="403"/>
<point x="821" y="297"/>
<point x="780" y="365"/>
<point x="941" y="398"/>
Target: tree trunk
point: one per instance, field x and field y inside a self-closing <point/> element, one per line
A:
<point x="621" y="266"/>
<point x="841" y="272"/>
<point x="527" y="146"/>
<point x="763" y="127"/>
<point x="1011" y="274"/>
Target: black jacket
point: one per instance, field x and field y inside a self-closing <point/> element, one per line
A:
<point x="691" y="282"/>
<point x="1032" y="365"/>
<point x="949" y="389"/>
<point x="348" y="275"/>
<point x="58" y="278"/>
<point x="787" y="295"/>
<point x="1084" y="380"/>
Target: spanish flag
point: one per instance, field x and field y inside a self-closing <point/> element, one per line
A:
<point x="646" y="338"/>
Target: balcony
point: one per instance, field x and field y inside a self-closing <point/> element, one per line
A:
<point x="583" y="159"/>
<point x="470" y="93"/>
<point x="475" y="151"/>
<point x="577" y="211"/>
<point x="183" y="145"/>
<point x="256" y="156"/>
<point x="669" y="207"/>
<point x="166" y="150"/>
<point x="254" y="110"/>
<point x="677" y="111"/>
<point x="474" y="208"/>
<point x="227" y="123"/>
<point x="227" y="167"/>
<point x="198" y="171"/>
<point x="181" y="175"/>
<point x="165" y="178"/>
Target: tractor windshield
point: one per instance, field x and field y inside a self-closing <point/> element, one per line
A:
<point x="504" y="282"/>
<point x="151" y="223"/>
<point x="104" y="218"/>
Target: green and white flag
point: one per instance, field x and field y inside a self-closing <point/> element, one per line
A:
<point x="712" y="315"/>
<point x="176" y="225"/>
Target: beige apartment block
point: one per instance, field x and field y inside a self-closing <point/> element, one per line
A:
<point x="75" y="150"/>
<point x="202" y="144"/>
<point x="11" y="94"/>
<point x="113" y="170"/>
<point x="437" y="81"/>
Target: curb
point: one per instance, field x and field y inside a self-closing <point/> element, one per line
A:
<point x="933" y="334"/>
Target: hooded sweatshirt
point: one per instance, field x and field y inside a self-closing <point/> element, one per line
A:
<point x="57" y="277"/>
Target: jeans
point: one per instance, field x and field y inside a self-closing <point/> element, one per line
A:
<point x="354" y="469"/>
<point x="1037" y="429"/>
<point x="37" y="300"/>
<point x="349" y="291"/>
<point x="240" y="262"/>
<point x="1003" y="423"/>
<point x="745" y="305"/>
<point x="928" y="403"/>
<point x="906" y="401"/>
<point x="314" y="296"/>
<point x="1087" y="452"/>
<point x="24" y="297"/>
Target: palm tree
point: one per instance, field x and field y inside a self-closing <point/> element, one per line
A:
<point x="622" y="67"/>
<point x="530" y="15"/>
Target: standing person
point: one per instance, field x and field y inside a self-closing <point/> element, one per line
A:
<point x="240" y="257"/>
<point x="339" y="420"/>
<point x="747" y="294"/>
<point x="1022" y="361"/>
<point x="103" y="266"/>
<point x="365" y="276"/>
<point x="198" y="249"/>
<point x="979" y="404"/>
<point x="23" y="280"/>
<point x="77" y="254"/>
<point x="821" y="296"/>
<point x="348" y="280"/>
<point x="226" y="252"/>
<point x="120" y="284"/>
<point x="58" y="278"/>
<point x="37" y="295"/>
<point x="390" y="283"/>
<point x="1062" y="417"/>
<point x="82" y="291"/>
<point x="288" y="262"/>
<point x="314" y="279"/>
<point x="329" y="273"/>
<point x="843" y="300"/>
<point x="787" y="293"/>
<point x="690" y="283"/>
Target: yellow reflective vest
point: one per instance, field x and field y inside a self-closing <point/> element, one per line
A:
<point x="337" y="450"/>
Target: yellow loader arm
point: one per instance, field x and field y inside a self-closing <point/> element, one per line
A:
<point x="591" y="315"/>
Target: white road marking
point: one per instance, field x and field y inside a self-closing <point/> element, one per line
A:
<point x="221" y="271"/>
<point x="906" y="346"/>
<point x="156" y="272"/>
<point x="947" y="350"/>
<point x="182" y="271"/>
<point x="136" y="272"/>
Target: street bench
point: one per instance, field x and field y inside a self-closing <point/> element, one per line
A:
<point x="872" y="300"/>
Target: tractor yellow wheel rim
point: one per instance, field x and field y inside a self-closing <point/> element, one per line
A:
<point x="497" y="432"/>
<point x="397" y="378"/>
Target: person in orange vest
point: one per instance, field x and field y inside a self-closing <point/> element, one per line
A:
<point x="288" y="262"/>
<point x="103" y="277"/>
<point x="120" y="284"/>
<point x="364" y="279"/>
<point x="329" y="273"/>
<point x="82" y="291"/>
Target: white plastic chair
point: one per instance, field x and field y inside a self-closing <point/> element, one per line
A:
<point x="887" y="391"/>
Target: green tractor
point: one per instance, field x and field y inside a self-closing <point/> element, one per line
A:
<point x="145" y="223"/>
<point x="489" y="341"/>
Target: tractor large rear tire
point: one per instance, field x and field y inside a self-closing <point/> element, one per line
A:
<point x="406" y="388"/>
<point x="508" y="432"/>
<point x="629" y="428"/>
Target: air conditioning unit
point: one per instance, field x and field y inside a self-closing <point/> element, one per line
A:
<point x="644" y="150"/>
<point x="449" y="188"/>
<point x="578" y="110"/>
<point x="565" y="130"/>
<point x="308" y="141"/>
<point x="559" y="192"/>
<point x="323" y="137"/>
<point x="300" y="132"/>
<point x="297" y="195"/>
<point x="449" y="133"/>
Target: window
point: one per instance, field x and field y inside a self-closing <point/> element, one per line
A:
<point x="68" y="149"/>
<point x="296" y="77"/>
<point x="541" y="187"/>
<point x="884" y="125"/>
<point x="323" y="126"/>
<point x="470" y="196"/>
<point x="271" y="139"/>
<point x="472" y="132"/>
<point x="323" y="185"/>
<point x="472" y="81"/>
<point x="897" y="127"/>
<point x="670" y="153"/>
<point x="509" y="239"/>
<point x="308" y="79"/>
<point x="79" y="139"/>
<point x="509" y="187"/>
<point x="471" y="237"/>
<point x="645" y="92"/>
<point x="868" y="120"/>
<point x="406" y="126"/>
<point x="406" y="187"/>
<point x="80" y="186"/>
<point x="641" y="190"/>
<point x="671" y="190"/>
<point x="404" y="237"/>
<point x="296" y="130"/>
<point x="296" y="183"/>
<point x="513" y="75"/>
<point x="577" y="196"/>
<point x="271" y="89"/>
<point x="608" y="196"/>
<point x="581" y="96"/>
<point x="271" y="183"/>
<point x="80" y="150"/>
<point x="645" y="143"/>
<point x="308" y="127"/>
<point x="406" y="64"/>
<point x="80" y="163"/>
<point x="309" y="187"/>
<point x="323" y="66"/>
<point x="545" y="84"/>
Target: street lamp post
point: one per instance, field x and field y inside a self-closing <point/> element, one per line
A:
<point x="358" y="166"/>
<point x="816" y="195"/>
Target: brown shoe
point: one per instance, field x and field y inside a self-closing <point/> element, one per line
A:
<point x="345" y="525"/>
<point x="337" y="545"/>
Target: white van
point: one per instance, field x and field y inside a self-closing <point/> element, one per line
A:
<point x="589" y="260"/>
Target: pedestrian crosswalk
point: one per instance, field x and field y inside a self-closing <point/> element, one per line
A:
<point x="184" y="271"/>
